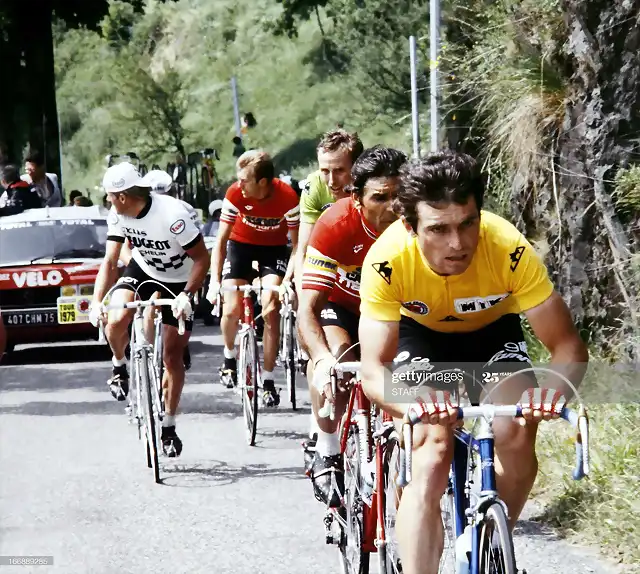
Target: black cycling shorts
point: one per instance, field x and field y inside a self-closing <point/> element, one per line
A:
<point x="338" y="316"/>
<point x="272" y="260"/>
<point x="486" y="355"/>
<point x="132" y="279"/>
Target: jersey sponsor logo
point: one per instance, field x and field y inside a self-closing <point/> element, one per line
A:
<point x="328" y="314"/>
<point x="248" y="207"/>
<point x="322" y="263"/>
<point x="384" y="270"/>
<point x="515" y="257"/>
<point x="404" y="355"/>
<point x="476" y="304"/>
<point x="350" y="278"/>
<point x="177" y="227"/>
<point x="358" y="248"/>
<point x="149" y="243"/>
<point x="511" y="350"/>
<point x="263" y="223"/>
<point x="416" y="307"/>
<point x="129" y="231"/>
<point x="449" y="319"/>
<point x="128" y="280"/>
<point x="37" y="278"/>
<point x="326" y="206"/>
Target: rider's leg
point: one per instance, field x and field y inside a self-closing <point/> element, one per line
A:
<point x="149" y="320"/>
<point x="419" y="522"/>
<point x="174" y="375"/>
<point x="271" y="315"/>
<point x="116" y="332"/>
<point x="229" y="325"/>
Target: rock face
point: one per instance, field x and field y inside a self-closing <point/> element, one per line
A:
<point x="590" y="247"/>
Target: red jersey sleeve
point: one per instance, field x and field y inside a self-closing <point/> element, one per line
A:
<point x="230" y="204"/>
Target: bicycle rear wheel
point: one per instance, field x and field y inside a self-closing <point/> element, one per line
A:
<point x="290" y="359"/>
<point x="150" y="420"/>
<point x="248" y="380"/>
<point x="496" y="554"/>
<point x="353" y="559"/>
<point x="389" y="556"/>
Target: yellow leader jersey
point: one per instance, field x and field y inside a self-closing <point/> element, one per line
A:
<point x="505" y="276"/>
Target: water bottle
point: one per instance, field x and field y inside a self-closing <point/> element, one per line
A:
<point x="463" y="551"/>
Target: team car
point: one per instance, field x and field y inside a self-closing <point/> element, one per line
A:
<point x="49" y="260"/>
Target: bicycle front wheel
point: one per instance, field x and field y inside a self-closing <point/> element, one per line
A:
<point x="496" y="554"/>
<point x="389" y="556"/>
<point x="290" y="359"/>
<point x="150" y="420"/>
<point x="248" y="380"/>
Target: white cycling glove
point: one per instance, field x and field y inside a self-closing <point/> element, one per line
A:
<point x="212" y="293"/>
<point x="322" y="372"/>
<point x="181" y="306"/>
<point x="96" y="310"/>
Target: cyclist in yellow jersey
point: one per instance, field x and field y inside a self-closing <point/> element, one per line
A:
<point x="446" y="284"/>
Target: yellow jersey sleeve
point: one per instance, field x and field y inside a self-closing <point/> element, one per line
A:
<point x="380" y="287"/>
<point x="528" y="278"/>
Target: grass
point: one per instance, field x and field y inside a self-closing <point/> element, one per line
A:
<point x="603" y="509"/>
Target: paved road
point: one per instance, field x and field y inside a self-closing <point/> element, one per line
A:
<point x="74" y="482"/>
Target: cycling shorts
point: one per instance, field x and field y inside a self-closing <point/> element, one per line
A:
<point x="272" y="260"/>
<point x="337" y="316"/>
<point x="486" y="355"/>
<point x="133" y="279"/>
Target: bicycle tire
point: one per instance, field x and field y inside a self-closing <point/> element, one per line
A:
<point x="389" y="557"/>
<point x="150" y="419"/>
<point x="158" y="363"/>
<point x="356" y="561"/>
<point x="248" y="378"/>
<point x="495" y="522"/>
<point x="290" y="359"/>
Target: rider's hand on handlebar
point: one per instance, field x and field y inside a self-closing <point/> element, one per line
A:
<point x="212" y="292"/>
<point x="322" y="375"/>
<point x="541" y="405"/>
<point x="284" y="287"/>
<point x="439" y="408"/>
<point x="97" y="313"/>
<point x="181" y="306"/>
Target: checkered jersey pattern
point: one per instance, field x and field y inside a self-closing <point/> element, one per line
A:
<point x="174" y="262"/>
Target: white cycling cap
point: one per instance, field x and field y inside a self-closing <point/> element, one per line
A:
<point x="214" y="206"/>
<point x="159" y="181"/>
<point x="123" y="176"/>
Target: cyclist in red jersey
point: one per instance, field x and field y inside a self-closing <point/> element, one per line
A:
<point x="258" y="213"/>
<point x="328" y="313"/>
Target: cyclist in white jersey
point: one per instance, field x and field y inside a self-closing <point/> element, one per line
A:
<point x="169" y="256"/>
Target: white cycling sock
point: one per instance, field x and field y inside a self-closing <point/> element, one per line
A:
<point x="230" y="354"/>
<point x="267" y="376"/>
<point x="169" y="421"/>
<point x="328" y="443"/>
<point x="119" y="362"/>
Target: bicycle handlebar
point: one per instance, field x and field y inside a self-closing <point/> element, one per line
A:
<point x="337" y="370"/>
<point x="139" y="305"/>
<point x="579" y="420"/>
<point x="243" y="288"/>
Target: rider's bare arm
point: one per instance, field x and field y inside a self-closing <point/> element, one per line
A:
<point x="378" y="346"/>
<point x="303" y="240"/>
<point x="291" y="267"/>
<point x="126" y="253"/>
<point x="309" y="329"/>
<point x="219" y="252"/>
<point x="553" y="325"/>
<point x="200" y="257"/>
<point x="108" y="272"/>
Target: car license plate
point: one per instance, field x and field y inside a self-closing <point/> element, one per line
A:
<point x="29" y="318"/>
<point x="73" y="310"/>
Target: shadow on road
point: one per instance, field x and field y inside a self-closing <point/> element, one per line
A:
<point x="535" y="528"/>
<point x="45" y="355"/>
<point x="54" y="409"/>
<point x="217" y="472"/>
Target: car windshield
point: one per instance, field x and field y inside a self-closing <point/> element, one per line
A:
<point x="47" y="240"/>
